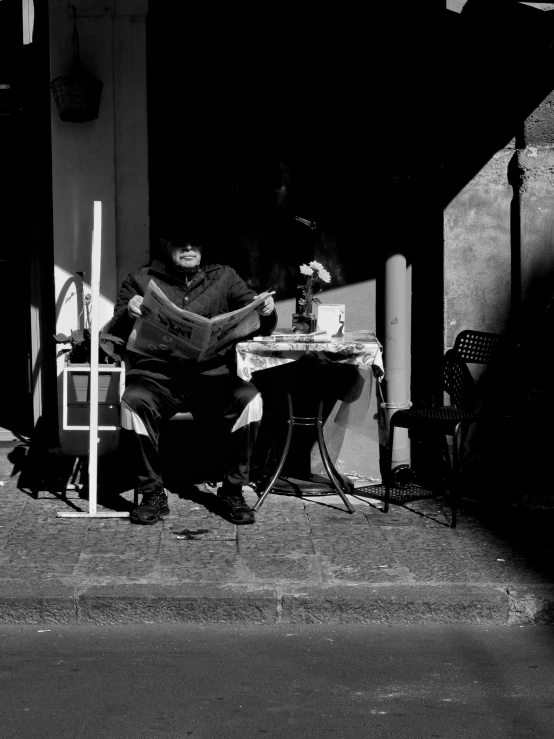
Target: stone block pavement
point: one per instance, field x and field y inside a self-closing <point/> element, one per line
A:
<point x="305" y="560"/>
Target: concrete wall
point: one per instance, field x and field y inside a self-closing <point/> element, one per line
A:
<point x="537" y="223"/>
<point x="477" y="252"/>
<point x="537" y="283"/>
<point x="499" y="236"/>
<point x="105" y="159"/>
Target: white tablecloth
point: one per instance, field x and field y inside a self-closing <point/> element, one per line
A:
<point x="362" y="411"/>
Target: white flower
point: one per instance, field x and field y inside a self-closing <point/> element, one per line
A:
<point x="324" y="275"/>
<point x="316" y="265"/>
<point x="305" y="270"/>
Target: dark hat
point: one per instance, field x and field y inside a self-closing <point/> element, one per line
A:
<point x="191" y="218"/>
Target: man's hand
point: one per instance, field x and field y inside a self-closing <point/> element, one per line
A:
<point x="134" y="307"/>
<point x="267" y="307"/>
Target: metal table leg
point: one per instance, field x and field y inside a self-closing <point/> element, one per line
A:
<point x="282" y="460"/>
<point x="335" y="478"/>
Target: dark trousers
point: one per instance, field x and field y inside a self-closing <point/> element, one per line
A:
<point x="217" y="403"/>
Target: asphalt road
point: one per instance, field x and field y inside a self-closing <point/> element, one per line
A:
<point x="218" y="681"/>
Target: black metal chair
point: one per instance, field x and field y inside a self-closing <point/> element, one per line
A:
<point x="455" y="419"/>
<point x="477" y="347"/>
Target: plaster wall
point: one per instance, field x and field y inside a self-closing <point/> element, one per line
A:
<point x="105" y="159"/>
<point x="537" y="223"/>
<point x="499" y="240"/>
<point x="537" y="272"/>
<point x="477" y="252"/>
<point x="538" y="129"/>
<point x="536" y="168"/>
<point x="358" y="299"/>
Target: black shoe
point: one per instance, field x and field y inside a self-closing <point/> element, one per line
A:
<point x="235" y="508"/>
<point x="153" y="507"/>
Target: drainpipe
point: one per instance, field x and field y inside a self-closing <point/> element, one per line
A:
<point x="396" y="352"/>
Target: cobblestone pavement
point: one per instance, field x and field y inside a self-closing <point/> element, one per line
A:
<point x="305" y="559"/>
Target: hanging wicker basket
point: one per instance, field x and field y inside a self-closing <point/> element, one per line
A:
<point x="77" y="95"/>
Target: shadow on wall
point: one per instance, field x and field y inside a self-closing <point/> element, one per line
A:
<point x="499" y="58"/>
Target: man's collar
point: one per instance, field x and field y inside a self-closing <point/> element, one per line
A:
<point x="158" y="265"/>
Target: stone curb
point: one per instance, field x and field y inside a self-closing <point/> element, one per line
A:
<point x="24" y="602"/>
<point x="399" y="604"/>
<point x="531" y="604"/>
<point x="37" y="602"/>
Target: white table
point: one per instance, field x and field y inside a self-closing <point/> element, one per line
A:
<point x="360" y="349"/>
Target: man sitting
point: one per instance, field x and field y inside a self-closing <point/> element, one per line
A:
<point x="158" y="387"/>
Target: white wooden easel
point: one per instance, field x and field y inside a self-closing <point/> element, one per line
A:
<point x="94" y="349"/>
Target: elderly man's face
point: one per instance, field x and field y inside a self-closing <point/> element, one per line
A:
<point x="186" y="256"/>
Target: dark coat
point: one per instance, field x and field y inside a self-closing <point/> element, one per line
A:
<point x="215" y="289"/>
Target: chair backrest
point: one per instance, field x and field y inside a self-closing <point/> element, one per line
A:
<point x="458" y="382"/>
<point x="476" y="346"/>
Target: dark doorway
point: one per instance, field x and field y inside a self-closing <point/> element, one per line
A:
<point x="328" y="115"/>
<point x="26" y="255"/>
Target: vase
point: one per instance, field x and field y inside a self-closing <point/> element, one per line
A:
<point x="303" y="321"/>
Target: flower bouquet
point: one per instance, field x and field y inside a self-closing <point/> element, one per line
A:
<point x="304" y="320"/>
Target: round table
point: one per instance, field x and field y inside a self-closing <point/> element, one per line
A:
<point x="360" y="350"/>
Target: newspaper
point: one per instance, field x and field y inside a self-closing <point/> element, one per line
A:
<point x="166" y="330"/>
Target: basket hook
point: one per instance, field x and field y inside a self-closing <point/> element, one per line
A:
<point x="76" y="56"/>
